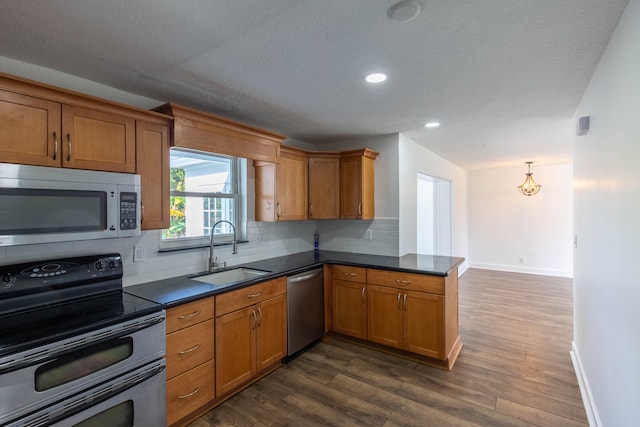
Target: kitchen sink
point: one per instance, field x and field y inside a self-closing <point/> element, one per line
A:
<point x="230" y="276"/>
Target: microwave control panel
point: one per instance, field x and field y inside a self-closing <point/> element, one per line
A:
<point x="128" y="204"/>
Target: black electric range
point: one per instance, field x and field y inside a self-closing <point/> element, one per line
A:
<point x="47" y="301"/>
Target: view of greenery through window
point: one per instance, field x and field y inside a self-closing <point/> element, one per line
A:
<point x="204" y="190"/>
<point x="178" y="223"/>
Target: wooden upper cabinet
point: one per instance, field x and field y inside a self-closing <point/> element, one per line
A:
<point x="281" y="189"/>
<point x="202" y="131"/>
<point x="357" y="184"/>
<point x="152" y="164"/>
<point x="324" y="185"/>
<point x="98" y="140"/>
<point x="43" y="125"/>
<point x="291" y="185"/>
<point x="29" y="130"/>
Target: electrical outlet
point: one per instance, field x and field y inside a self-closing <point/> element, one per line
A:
<point x="138" y="253"/>
<point x="521" y="260"/>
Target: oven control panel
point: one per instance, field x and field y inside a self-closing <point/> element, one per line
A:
<point x="39" y="276"/>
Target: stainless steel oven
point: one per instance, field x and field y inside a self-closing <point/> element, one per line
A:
<point x="70" y="357"/>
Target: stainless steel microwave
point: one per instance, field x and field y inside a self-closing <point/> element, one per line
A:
<point x="45" y="204"/>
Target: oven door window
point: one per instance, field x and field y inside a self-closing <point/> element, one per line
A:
<point x="120" y="415"/>
<point x="82" y="363"/>
<point x="37" y="211"/>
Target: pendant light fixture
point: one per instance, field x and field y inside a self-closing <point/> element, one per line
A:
<point x="529" y="187"/>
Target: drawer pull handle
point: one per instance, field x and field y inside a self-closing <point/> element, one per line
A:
<point x="259" y="317"/>
<point x="189" y="316"/>
<point x="349" y="274"/>
<point x="184" y="396"/>
<point x="363" y="291"/>
<point x="403" y="282"/>
<point x="191" y="350"/>
<point x="399" y="306"/>
<point x="254" y="321"/>
<point x="405" y="302"/>
<point x="254" y="295"/>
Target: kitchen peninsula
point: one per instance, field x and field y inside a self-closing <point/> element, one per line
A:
<point x="223" y="338"/>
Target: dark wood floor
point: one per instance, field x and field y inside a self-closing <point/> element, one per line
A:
<point x="514" y="370"/>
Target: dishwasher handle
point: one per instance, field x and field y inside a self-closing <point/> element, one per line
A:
<point x="297" y="279"/>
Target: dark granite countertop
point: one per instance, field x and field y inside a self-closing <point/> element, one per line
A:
<point x="182" y="289"/>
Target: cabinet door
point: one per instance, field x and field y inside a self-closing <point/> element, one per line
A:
<point x="424" y="324"/>
<point x="291" y="187"/>
<point x="29" y="130"/>
<point x="271" y="332"/>
<point x="351" y="187"/>
<point x="235" y="349"/>
<point x="152" y="164"/>
<point x="324" y="187"/>
<point x="385" y="306"/>
<point x="265" y="189"/>
<point x="97" y="140"/>
<point x="357" y="184"/>
<point x="350" y="308"/>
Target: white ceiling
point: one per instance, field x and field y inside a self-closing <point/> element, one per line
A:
<point x="502" y="76"/>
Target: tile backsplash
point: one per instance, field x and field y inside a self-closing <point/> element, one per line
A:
<point x="265" y="240"/>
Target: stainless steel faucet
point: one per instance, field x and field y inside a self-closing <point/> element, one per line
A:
<point x="213" y="261"/>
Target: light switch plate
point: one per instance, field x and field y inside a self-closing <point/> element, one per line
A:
<point x="138" y="253"/>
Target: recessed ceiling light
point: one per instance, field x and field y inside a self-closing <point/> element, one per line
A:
<point x="376" y="78"/>
<point x="432" y="125"/>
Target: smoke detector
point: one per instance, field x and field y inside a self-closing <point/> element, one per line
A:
<point x="405" y="10"/>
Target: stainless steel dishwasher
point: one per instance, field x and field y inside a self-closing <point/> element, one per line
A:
<point x="305" y="309"/>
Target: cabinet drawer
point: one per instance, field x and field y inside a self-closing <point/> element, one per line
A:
<point x="350" y="274"/>
<point x="189" y="347"/>
<point x="189" y="314"/>
<point x="409" y="281"/>
<point x="235" y="300"/>
<point x="190" y="391"/>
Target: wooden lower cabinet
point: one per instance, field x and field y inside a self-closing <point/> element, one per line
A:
<point x="190" y="391"/>
<point x="424" y="324"/>
<point x="190" y="358"/>
<point x="407" y="320"/>
<point x="350" y="308"/>
<point x="252" y="339"/>
<point x="415" y="313"/>
<point x="384" y="315"/>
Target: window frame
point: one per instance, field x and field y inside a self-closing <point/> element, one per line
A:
<point x="238" y="175"/>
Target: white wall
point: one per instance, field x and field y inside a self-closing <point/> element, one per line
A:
<point x="511" y="232"/>
<point x="414" y="159"/>
<point x="606" y="345"/>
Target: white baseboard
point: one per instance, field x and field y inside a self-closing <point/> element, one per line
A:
<point x="520" y="269"/>
<point x="587" y="396"/>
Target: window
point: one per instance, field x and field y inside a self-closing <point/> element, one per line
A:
<point x="205" y="189"/>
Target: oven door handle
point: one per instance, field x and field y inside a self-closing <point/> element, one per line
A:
<point x="8" y="364"/>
